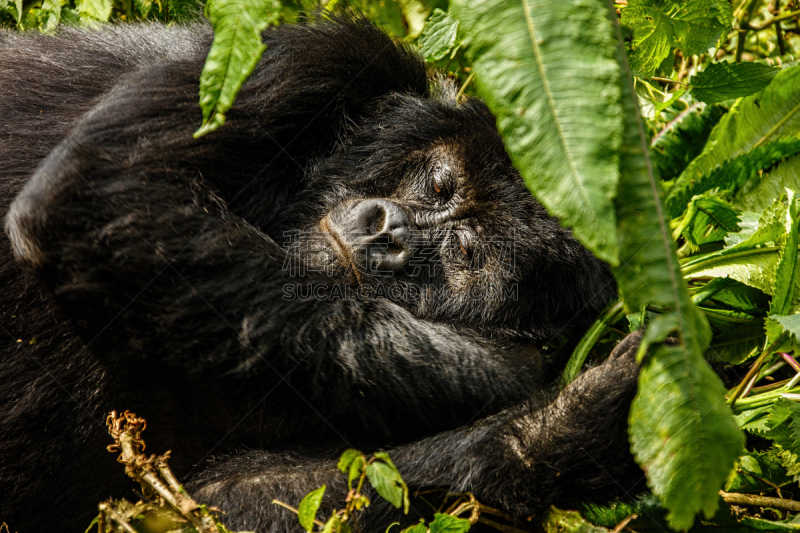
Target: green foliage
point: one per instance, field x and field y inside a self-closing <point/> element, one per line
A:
<point x="439" y="36"/>
<point x="759" y="131"/>
<point x="725" y="81"/>
<point x="307" y="510"/>
<point x="548" y="104"/>
<point x="675" y="146"/>
<point x="236" y="49"/>
<point x="659" y="26"/>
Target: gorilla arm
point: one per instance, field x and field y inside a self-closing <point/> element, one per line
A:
<point x="574" y="450"/>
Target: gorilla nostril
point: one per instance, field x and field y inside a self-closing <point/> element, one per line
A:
<point x="376" y="222"/>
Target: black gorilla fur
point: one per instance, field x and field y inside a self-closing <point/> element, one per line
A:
<point x="145" y="270"/>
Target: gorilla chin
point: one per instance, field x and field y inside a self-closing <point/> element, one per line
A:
<point x="201" y="283"/>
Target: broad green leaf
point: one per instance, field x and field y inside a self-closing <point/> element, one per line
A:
<point x="752" y="469"/>
<point x="356" y="468"/>
<point x="307" y="510"/>
<point x="346" y="459"/>
<point x="386" y="482"/>
<point x="755" y="260"/>
<point x="558" y="521"/>
<point x="790" y="324"/>
<point x="383" y="456"/>
<point x="754" y="122"/>
<point x="439" y="36"/>
<point x="759" y="193"/>
<point x="737" y="344"/>
<point x="708" y="219"/>
<point x="49" y="15"/>
<point x="93" y="11"/>
<point x="547" y="71"/>
<point x="682" y="432"/>
<point x="234" y="53"/>
<point x="726" y="81"/>
<point x="733" y="175"/>
<point x="660" y="25"/>
<point x="444" y="523"/>
<point x="683" y="138"/>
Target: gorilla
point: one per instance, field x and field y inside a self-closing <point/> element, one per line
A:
<point x="350" y="261"/>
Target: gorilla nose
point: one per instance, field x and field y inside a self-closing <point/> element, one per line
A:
<point x="379" y="232"/>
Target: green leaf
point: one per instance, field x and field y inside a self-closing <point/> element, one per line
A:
<point x="307" y="510"/>
<point x="558" y="521"/>
<point x="439" y="36"/>
<point x="682" y="432"/>
<point x="660" y="25"/>
<point x="12" y="8"/>
<point x="444" y="523"/>
<point x="387" y="482"/>
<point x="738" y="344"/>
<point x="549" y="75"/>
<point x="790" y="324"/>
<point x="355" y="470"/>
<point x="708" y="219"/>
<point x="753" y="123"/>
<point x="755" y="260"/>
<point x="234" y="53"/>
<point x="93" y="11"/>
<point x="733" y="175"/>
<point x="683" y="138"/>
<point x="346" y="459"/>
<point x="760" y="191"/>
<point x="752" y="469"/>
<point x="49" y="15"/>
<point x="785" y="272"/>
<point x="725" y="81"/>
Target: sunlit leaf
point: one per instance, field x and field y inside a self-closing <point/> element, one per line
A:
<point x="547" y="70"/>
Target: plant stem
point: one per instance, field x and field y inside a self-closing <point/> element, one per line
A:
<point x="755" y="367"/>
<point x="759" y="501"/>
<point x="464" y="87"/>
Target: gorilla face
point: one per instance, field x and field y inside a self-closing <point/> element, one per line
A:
<point x="421" y="205"/>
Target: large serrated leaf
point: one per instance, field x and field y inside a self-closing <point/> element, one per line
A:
<point x="660" y="25"/>
<point x="682" y="432"/>
<point x="733" y="175"/>
<point x="439" y="36"/>
<point x="759" y="193"/>
<point x="236" y="49"/>
<point x="674" y="147"/>
<point x="708" y="219"/>
<point x="725" y="81"/>
<point x="754" y="122"/>
<point x="547" y="72"/>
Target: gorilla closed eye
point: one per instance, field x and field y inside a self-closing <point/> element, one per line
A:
<point x="154" y="277"/>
